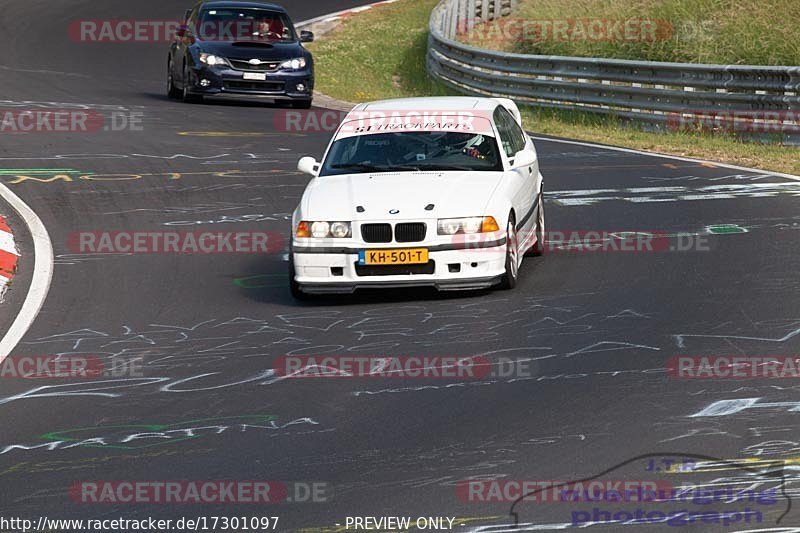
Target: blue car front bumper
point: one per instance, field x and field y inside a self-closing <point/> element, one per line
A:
<point x="228" y="82"/>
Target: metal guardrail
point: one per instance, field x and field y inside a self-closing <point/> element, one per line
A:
<point x="645" y="91"/>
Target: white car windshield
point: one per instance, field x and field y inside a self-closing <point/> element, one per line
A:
<point x="419" y="150"/>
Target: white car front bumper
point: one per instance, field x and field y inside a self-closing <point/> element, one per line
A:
<point x="326" y="268"/>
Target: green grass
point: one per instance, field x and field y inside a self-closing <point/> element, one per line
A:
<point x="378" y="54"/>
<point x="755" y="32"/>
<point x="381" y="54"/>
<point x="608" y="130"/>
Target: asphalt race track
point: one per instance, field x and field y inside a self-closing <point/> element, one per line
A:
<point x="594" y="330"/>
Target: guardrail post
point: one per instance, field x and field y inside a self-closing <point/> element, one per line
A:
<point x="485" y="10"/>
<point x="472" y="11"/>
<point x="450" y="21"/>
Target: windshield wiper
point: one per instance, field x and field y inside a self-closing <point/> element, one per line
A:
<point x="434" y="167"/>
<point x="359" y="166"/>
<point x="364" y="167"/>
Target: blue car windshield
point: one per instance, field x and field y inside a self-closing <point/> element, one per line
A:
<point x="244" y="24"/>
<point x="419" y="150"/>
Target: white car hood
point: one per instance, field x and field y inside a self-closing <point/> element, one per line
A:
<point x="453" y="194"/>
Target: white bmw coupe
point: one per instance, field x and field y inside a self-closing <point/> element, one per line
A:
<point x="443" y="192"/>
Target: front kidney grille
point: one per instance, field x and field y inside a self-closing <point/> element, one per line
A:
<point x="410" y="232"/>
<point x="376" y="232"/>
<point x="243" y="64"/>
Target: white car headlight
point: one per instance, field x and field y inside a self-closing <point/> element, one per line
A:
<point x="452" y="226"/>
<point x="340" y="229"/>
<point x="212" y="60"/>
<point x="321" y="229"/>
<point x="472" y="225"/>
<point x="294" y="64"/>
<point x="449" y="226"/>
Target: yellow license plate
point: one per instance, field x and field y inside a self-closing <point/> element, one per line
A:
<point x="406" y="256"/>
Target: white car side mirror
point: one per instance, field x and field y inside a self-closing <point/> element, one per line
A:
<point x="308" y="165"/>
<point x="524" y="158"/>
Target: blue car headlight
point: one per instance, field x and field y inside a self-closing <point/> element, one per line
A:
<point x="294" y="64"/>
<point x="212" y="60"/>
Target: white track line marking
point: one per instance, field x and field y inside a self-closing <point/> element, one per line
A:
<point x="338" y="14"/>
<point x="665" y="156"/>
<point x="42" y="273"/>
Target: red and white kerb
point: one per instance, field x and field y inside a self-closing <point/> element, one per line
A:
<point x="8" y="255"/>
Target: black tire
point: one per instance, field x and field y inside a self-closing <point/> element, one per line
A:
<point x="538" y="248"/>
<point x="301" y="104"/>
<point x="509" y="280"/>
<point x="172" y="91"/>
<point x="188" y="97"/>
